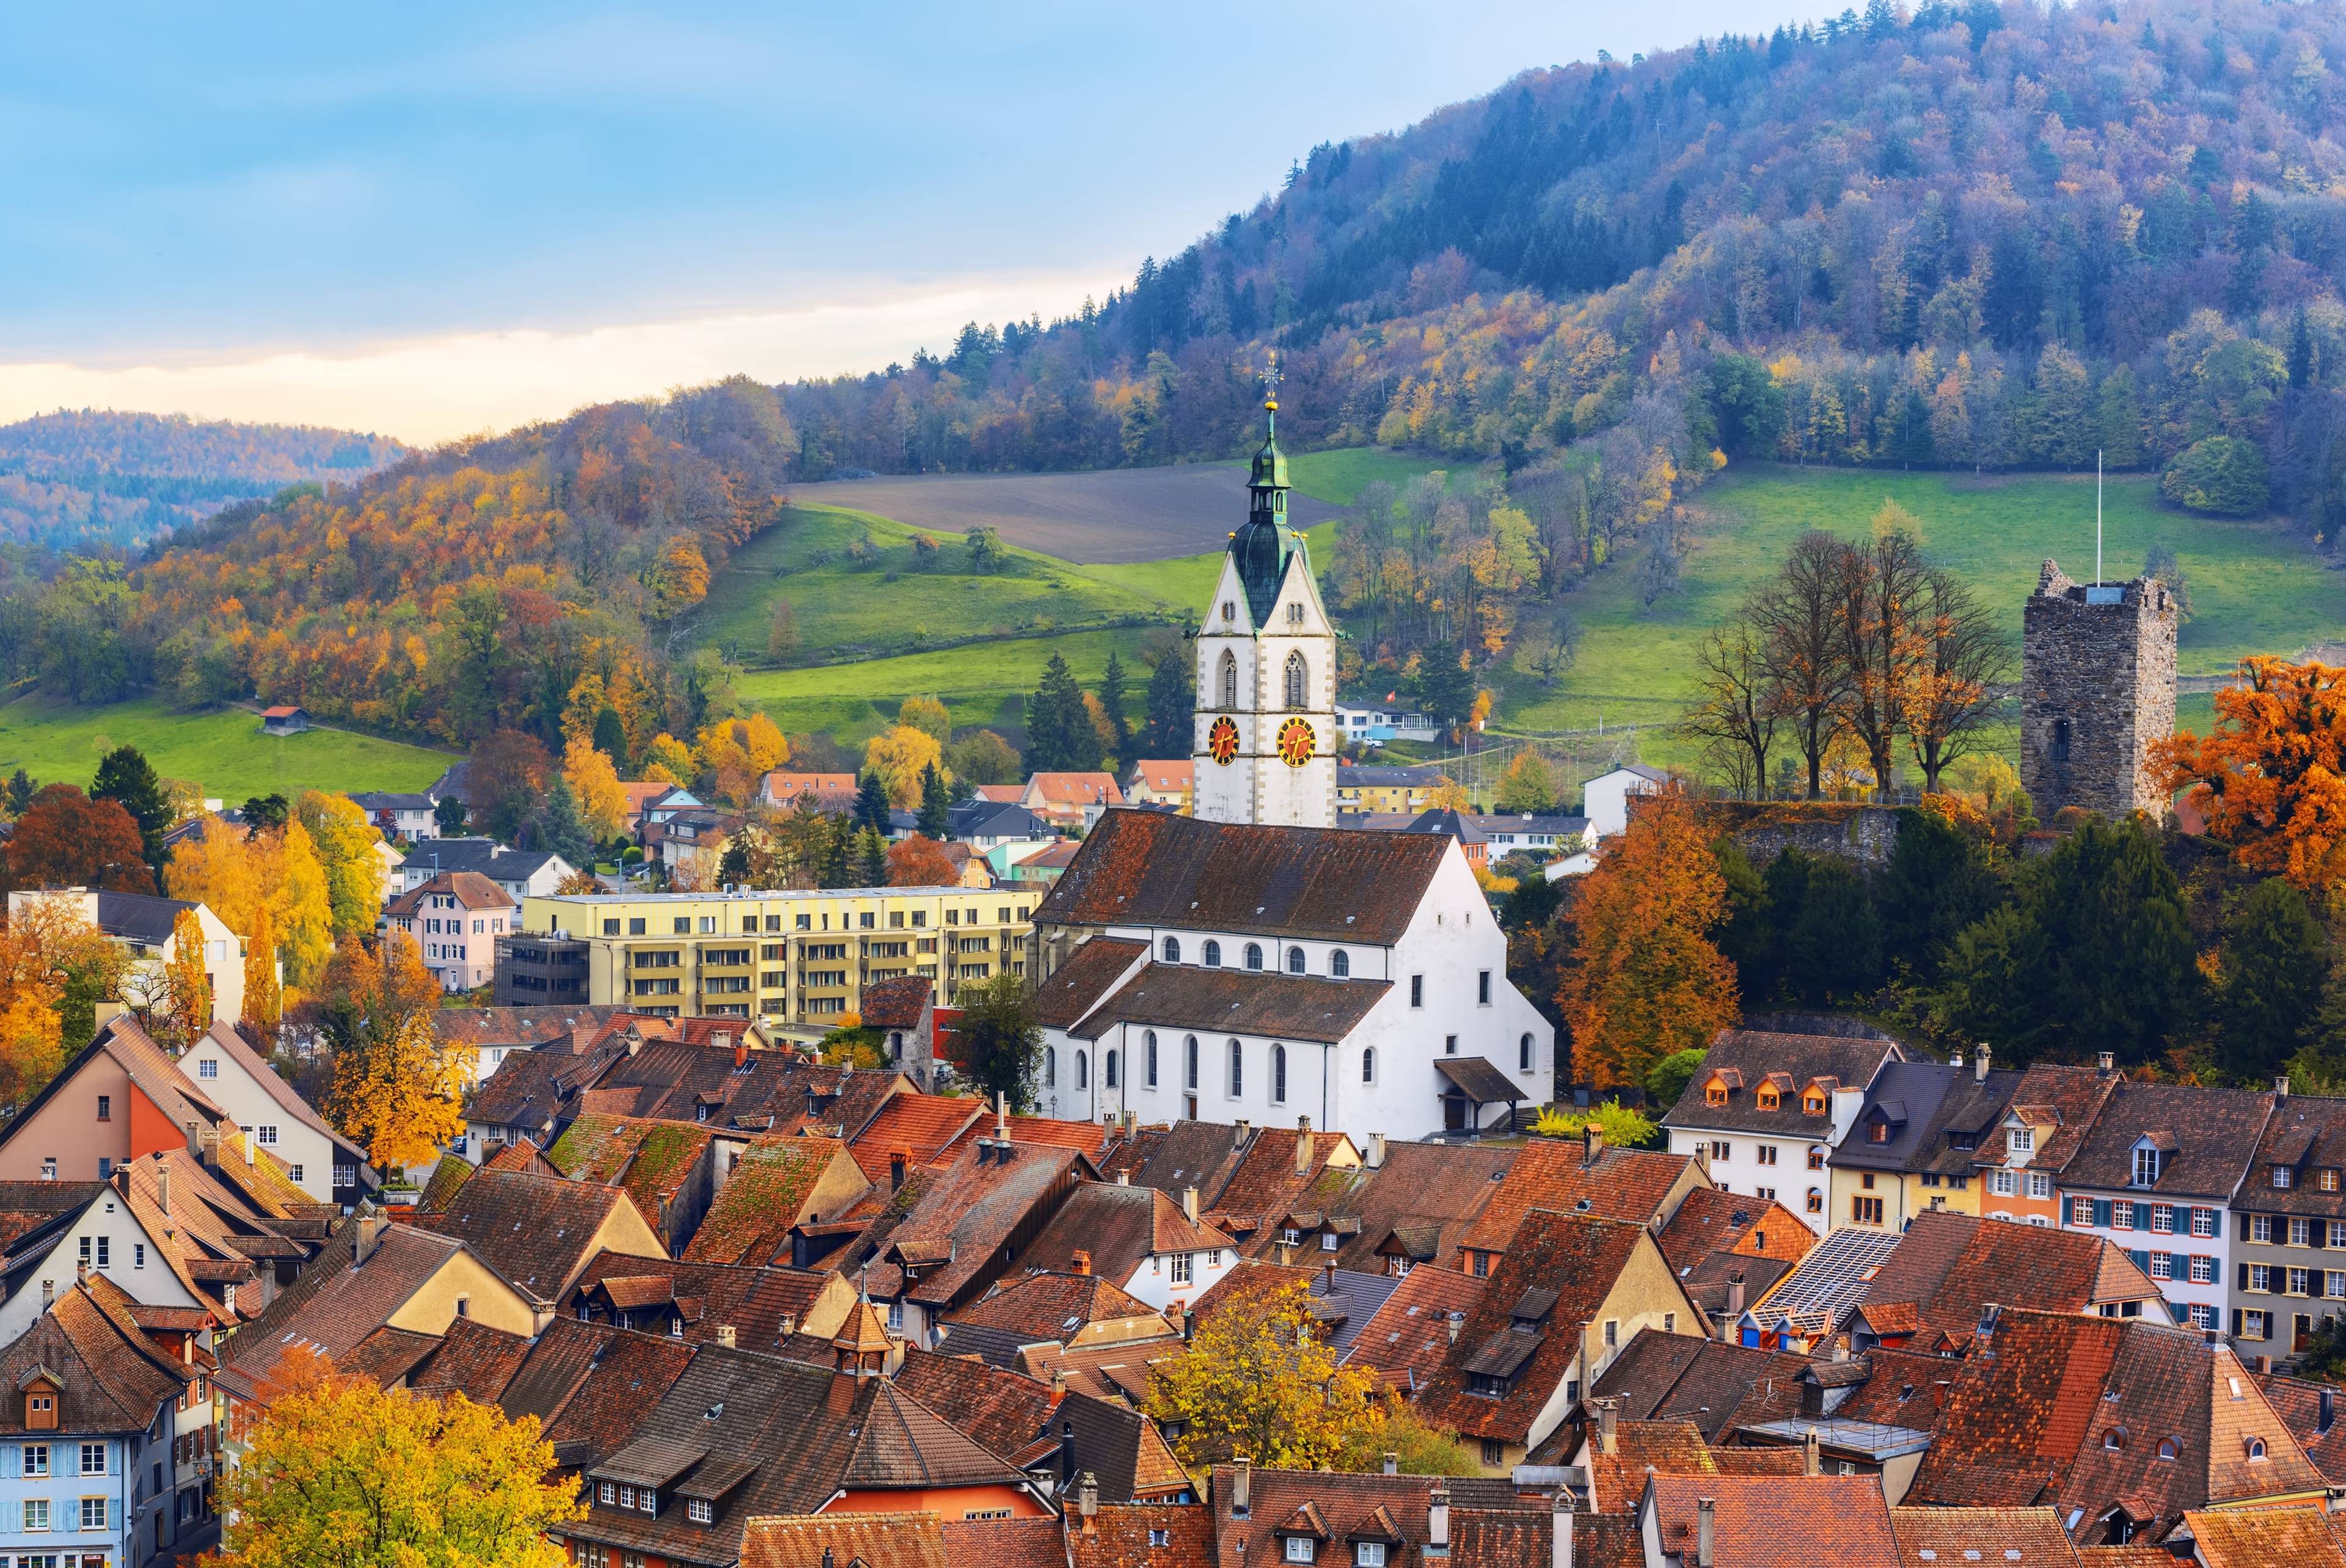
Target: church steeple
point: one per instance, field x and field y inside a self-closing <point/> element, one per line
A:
<point x="1263" y="548"/>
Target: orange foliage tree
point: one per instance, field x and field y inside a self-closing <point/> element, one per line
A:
<point x="1643" y="980"/>
<point x="65" y="839"/>
<point x="919" y="862"/>
<point x="2271" y="776"/>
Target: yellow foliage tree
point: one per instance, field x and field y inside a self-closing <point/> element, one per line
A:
<point x="596" y="783"/>
<point x="898" y="756"/>
<point x="679" y="579"/>
<point x="928" y="716"/>
<point x="32" y="1045"/>
<point x="395" y="1085"/>
<point x="337" y="1469"/>
<point x="668" y="760"/>
<point x="299" y="901"/>
<point x="187" y="987"/>
<point x="264" y="999"/>
<point x="739" y="752"/>
<point x="1258" y="1380"/>
<point x="234" y="876"/>
<point x="220" y="870"/>
<point x="345" y="843"/>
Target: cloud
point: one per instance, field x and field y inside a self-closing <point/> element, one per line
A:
<point x="427" y="389"/>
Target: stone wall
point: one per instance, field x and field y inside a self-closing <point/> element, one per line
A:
<point x="1766" y="829"/>
<point x="2098" y="687"/>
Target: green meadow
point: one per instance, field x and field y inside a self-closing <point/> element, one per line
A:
<point x="223" y="750"/>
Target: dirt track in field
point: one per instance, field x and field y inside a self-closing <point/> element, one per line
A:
<point x="1115" y="515"/>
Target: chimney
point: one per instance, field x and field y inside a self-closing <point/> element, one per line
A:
<point x="1456" y="1321"/>
<point x="2326" y="1411"/>
<point x="1089" y="1501"/>
<point x="1812" y="1455"/>
<point x="1190" y="1204"/>
<point x="1734" y="1296"/>
<point x="163" y="1184"/>
<point x="1591" y="1143"/>
<point x="785" y="1326"/>
<point x="827" y="1562"/>
<point x="81" y="1269"/>
<point x="105" y="1013"/>
<point x="1437" y="1521"/>
<point x="2281" y="1086"/>
<point x="740" y="1051"/>
<point x="1240" y="1132"/>
<point x="2105" y="1061"/>
<point x="1303" y="1145"/>
<point x="2264" y="1365"/>
<point x="1376" y="1151"/>
<point x="1124" y="1178"/>
<point x="1608" y="1440"/>
<point x="1001" y="1118"/>
<point x="1082" y="1262"/>
<point x="1560" y="1512"/>
<point x="1979" y="1066"/>
<point x="1955" y="1057"/>
<point x="1066" y="1457"/>
<point x="365" y="1235"/>
<point x="1058" y="1383"/>
<point x="1241" y="1479"/>
<point x="1392" y="1462"/>
<point x="726" y="1338"/>
<point x="208" y="1148"/>
<point x="1705" y="1530"/>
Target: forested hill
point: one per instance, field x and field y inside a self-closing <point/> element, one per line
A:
<point x="93" y="476"/>
<point x="1956" y="234"/>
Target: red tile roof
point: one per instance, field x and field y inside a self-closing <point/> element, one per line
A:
<point x="1407" y="1340"/>
<point x="761" y="1199"/>
<point x="1119" y="1228"/>
<point x="917" y="1127"/>
<point x="1952" y="1537"/>
<point x="536" y="1231"/>
<point x="1947" y="1268"/>
<point x="2297" y="1401"/>
<point x="1776" y="1522"/>
<point x="473" y="1359"/>
<point x="1059" y="1306"/>
<point x="2265" y="1537"/>
<point x="1142" y="1535"/>
<point x="1621" y="1183"/>
<point x="1076" y="788"/>
<point x="1718" y="1387"/>
<point x="843" y="1540"/>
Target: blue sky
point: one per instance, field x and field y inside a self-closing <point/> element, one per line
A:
<point x="434" y="218"/>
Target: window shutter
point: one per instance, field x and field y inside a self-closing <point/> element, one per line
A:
<point x="2218" y="1230"/>
<point x="2102" y="1212"/>
<point x="2141" y="1260"/>
<point x="2180" y="1264"/>
<point x="2236" y="1322"/>
<point x="2317" y="1233"/>
<point x="113" y="1513"/>
<point x="2244" y="1284"/>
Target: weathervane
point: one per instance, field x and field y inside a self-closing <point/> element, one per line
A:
<point x="1270" y="378"/>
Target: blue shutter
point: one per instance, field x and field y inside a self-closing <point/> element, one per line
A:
<point x="2220" y="1224"/>
<point x="2180" y="1264"/>
<point x="2141" y="1260"/>
<point x="2102" y="1212"/>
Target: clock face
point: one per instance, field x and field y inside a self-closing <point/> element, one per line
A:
<point x="1295" y="739"/>
<point x="1222" y="740"/>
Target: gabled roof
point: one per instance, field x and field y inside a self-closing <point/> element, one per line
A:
<point x="649" y="1161"/>
<point x="1169" y="774"/>
<point x="1076" y="788"/>
<point x="2213" y="1134"/>
<point x="2069" y="1099"/>
<point x="1087" y="976"/>
<point x="1059" y="1306"/>
<point x="470" y="890"/>
<point x="109" y="1377"/>
<point x="1146" y="868"/>
<point x="953" y="1227"/>
<point x="2297" y="1401"/>
<point x="771" y="1181"/>
<point x="2264" y="1537"/>
<point x="1176" y="996"/>
<point x="1923" y="1103"/>
<point x="919" y="1128"/>
<point x="526" y="1027"/>
<point x="2306" y="1133"/>
<point x="901" y="1443"/>
<point x="1001" y="1410"/>
<point x="1718" y="1387"/>
<point x="333" y="1304"/>
<point x="1407" y="1338"/>
<point x="1578" y="1258"/>
<point x="1341" y="1300"/>
<point x="1266" y="1183"/>
<point x="914" y="1540"/>
<point x="2017" y="1537"/>
<point x="1119" y="1536"/>
<point x="1617" y="1480"/>
<point x="224" y="1038"/>
<point x="1950" y="1267"/>
<point x="1634" y="1185"/>
<point x="751" y="1301"/>
<point x="473" y="1359"/>
<point x="1202" y="1155"/>
<point x="1343" y="1507"/>
<point x="1753" y="1054"/>
<point x="1776" y="1520"/>
<point x="536" y="1231"/>
<point x="1819" y="1295"/>
<point x="487" y="856"/>
<point x="1121" y="1228"/>
<point x="1415" y="1207"/>
<point x="896" y="1003"/>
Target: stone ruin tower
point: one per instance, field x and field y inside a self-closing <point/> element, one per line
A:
<point x="2097" y="686"/>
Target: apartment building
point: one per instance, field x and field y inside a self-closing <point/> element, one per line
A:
<point x="791" y="957"/>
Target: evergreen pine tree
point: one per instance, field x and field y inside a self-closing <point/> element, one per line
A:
<point x="2275" y="959"/>
<point x="872" y="803"/>
<point x="560" y="828"/>
<point x="871" y="859"/>
<point x="1111" y="696"/>
<point x="127" y="778"/>
<point x="1172" y="705"/>
<point x="21" y="790"/>
<point x="936" y="806"/>
<point x="611" y="739"/>
<point x="834" y="870"/>
<point x="1053" y="716"/>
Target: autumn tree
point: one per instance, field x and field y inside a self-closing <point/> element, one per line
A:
<point x="32" y="1036"/>
<point x="188" y="988"/>
<point x="1962" y="656"/>
<point x="1881" y="592"/>
<point x="738" y="754"/>
<point x="1528" y="785"/>
<point x="339" y="1470"/>
<point x="264" y="998"/>
<point x="1258" y="1380"/>
<point x="2271" y="777"/>
<point x="346" y="844"/>
<point x="1799" y="622"/>
<point x="668" y="760"/>
<point x="898" y="757"/>
<point x="86" y="965"/>
<point x="127" y="778"/>
<point x="299" y="899"/>
<point x="395" y="1086"/>
<point x="596" y="783"/>
<point x="507" y="779"/>
<point x="66" y="839"/>
<point x="1645" y="980"/>
<point x="928" y="716"/>
<point x="1735" y="711"/>
<point x="916" y="861"/>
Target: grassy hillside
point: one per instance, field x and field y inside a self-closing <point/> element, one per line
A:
<point x="224" y="751"/>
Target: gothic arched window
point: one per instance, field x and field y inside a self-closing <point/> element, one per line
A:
<point x="1172" y="949"/>
<point x="1230" y="681"/>
<point x="1340" y="964"/>
<point x="1298" y="677"/>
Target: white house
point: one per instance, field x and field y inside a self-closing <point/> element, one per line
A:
<point x="524" y="873"/>
<point x="1766" y="1111"/>
<point x="116" y="1234"/>
<point x="456" y="919"/>
<point x="1604" y="799"/>
<point x="321" y="1161"/>
<point x="1139" y="1240"/>
<point x="1209" y="971"/>
<point x="147" y="928"/>
<point x="407" y="817"/>
<point x="1376" y="725"/>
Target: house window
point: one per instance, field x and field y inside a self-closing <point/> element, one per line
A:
<point x="1369" y="1554"/>
<point x="1816" y="1200"/>
<point x="2020" y="1140"/>
<point x="2260" y="1279"/>
<point x="1213" y="958"/>
<point x="37" y="1513"/>
<point x="1612" y="1332"/>
<point x="105" y="1107"/>
<point x="2282" y="1175"/>
<point x="2256" y="1446"/>
<point x="1254" y="955"/>
<point x="1865" y="1210"/>
<point x="1192" y="1046"/>
<point x="1767" y="1154"/>
<point x="1369" y="1066"/>
<point x="295" y="1172"/>
<point x="1172" y="947"/>
<point x="2003" y="1184"/>
<point x="2301" y="1233"/>
<point x="2326" y="1179"/>
<point x="1817" y="1156"/>
<point x="1878" y="1133"/>
<point x="1149" y="1043"/>
<point x="1299" y="1548"/>
<point x="2040" y="1183"/>
<point x="266" y="1134"/>
<point x="1768" y="1099"/>
<point x="2333" y="1284"/>
<point x="1340" y="964"/>
<point x="2162" y="1266"/>
<point x="1719" y="1149"/>
<point x="2256" y="1324"/>
<point x="1482" y="988"/>
<point x="1813" y="1104"/>
<point x="1495" y="1453"/>
<point x="2301" y="1282"/>
<point x="701" y="1511"/>
<point x="1294" y="961"/>
<point x="2261" y="1228"/>
<point x="606" y="1493"/>
<point x="1449" y="1045"/>
<point x="1523" y="1054"/>
<point x="208" y="1069"/>
<point x="1051" y="1064"/>
<point x="93" y="1459"/>
<point x="2081" y="1211"/>
<point x="1279" y="1075"/>
<point x="1083" y="1071"/>
<point x="1179" y="1268"/>
<point x="1288" y="1235"/>
<point x="2162" y="1218"/>
<point x="1417" y="991"/>
<point x="2146" y="1167"/>
<point x="1108" y="1064"/>
<point x="2203" y="1270"/>
<point x="1237" y="1069"/>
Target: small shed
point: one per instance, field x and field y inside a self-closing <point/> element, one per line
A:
<point x="285" y="720"/>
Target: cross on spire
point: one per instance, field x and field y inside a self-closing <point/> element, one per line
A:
<point x="1271" y="376"/>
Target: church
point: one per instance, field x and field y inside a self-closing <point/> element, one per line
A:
<point x="1255" y="963"/>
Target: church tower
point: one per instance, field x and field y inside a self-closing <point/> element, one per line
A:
<point x="1265" y="749"/>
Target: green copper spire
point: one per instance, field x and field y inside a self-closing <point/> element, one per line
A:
<point x="1267" y="543"/>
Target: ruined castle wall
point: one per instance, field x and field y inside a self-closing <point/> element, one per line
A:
<point x="2098" y="687"/>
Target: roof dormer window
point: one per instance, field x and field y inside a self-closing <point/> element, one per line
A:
<point x="2147" y="1163"/>
<point x="1768" y="1100"/>
<point x="2020" y="1140"/>
<point x="1877" y="1132"/>
<point x="1813" y="1102"/>
<point x="1714" y="1093"/>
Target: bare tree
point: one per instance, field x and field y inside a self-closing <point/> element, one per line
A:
<point x="1963" y="657"/>
<point x="1798" y="621"/>
<point x="1881" y="588"/>
<point x="1734" y="710"/>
